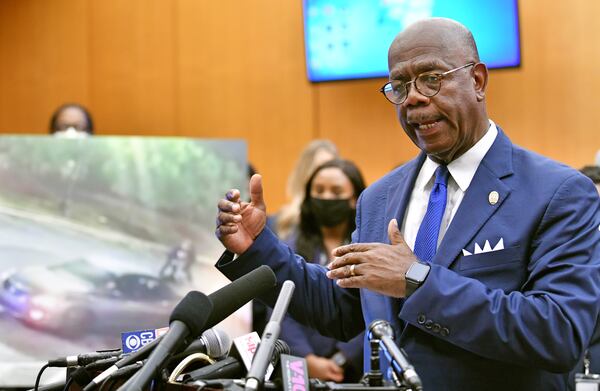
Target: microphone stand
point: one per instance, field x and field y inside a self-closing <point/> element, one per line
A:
<point x="371" y="381"/>
<point x="374" y="378"/>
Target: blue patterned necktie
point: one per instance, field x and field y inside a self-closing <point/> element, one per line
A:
<point x="429" y="231"/>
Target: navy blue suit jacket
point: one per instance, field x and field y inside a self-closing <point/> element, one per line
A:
<point x="517" y="318"/>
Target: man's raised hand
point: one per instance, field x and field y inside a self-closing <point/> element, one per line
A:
<point x="240" y="222"/>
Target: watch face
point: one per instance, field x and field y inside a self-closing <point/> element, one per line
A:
<point x="418" y="272"/>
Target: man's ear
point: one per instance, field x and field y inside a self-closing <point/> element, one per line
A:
<point x="480" y="79"/>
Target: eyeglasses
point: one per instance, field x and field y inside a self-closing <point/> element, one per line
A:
<point x="428" y="84"/>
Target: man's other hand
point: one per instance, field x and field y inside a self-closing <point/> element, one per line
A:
<point x="378" y="267"/>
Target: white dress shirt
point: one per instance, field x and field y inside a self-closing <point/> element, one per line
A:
<point x="461" y="171"/>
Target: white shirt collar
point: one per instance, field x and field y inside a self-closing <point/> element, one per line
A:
<point x="462" y="169"/>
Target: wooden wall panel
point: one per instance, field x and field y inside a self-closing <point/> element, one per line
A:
<point x="242" y="75"/>
<point x="43" y="61"/>
<point x="133" y="66"/>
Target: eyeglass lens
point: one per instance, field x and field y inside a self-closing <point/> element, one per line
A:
<point x="427" y="84"/>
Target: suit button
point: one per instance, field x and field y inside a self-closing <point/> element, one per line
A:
<point x="436" y="328"/>
<point x="444" y="331"/>
<point x="428" y="324"/>
<point x="421" y="319"/>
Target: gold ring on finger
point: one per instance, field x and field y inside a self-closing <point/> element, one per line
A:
<point x="352" y="273"/>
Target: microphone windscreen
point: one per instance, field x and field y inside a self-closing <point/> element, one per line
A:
<point x="218" y="342"/>
<point x="193" y="310"/>
<point x="231" y="297"/>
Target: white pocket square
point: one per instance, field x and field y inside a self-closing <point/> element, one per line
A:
<point x="487" y="248"/>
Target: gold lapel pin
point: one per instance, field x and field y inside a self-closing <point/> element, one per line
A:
<point x="493" y="197"/>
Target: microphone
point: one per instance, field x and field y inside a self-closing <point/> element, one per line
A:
<point x="274" y="370"/>
<point x="208" y="312"/>
<point x="382" y="330"/>
<point x="231" y="367"/>
<point x="213" y="342"/>
<point x="81" y="375"/>
<point x="129" y="359"/>
<point x="102" y="364"/>
<point x="83" y="359"/>
<point x="189" y="316"/>
<point x="257" y="371"/>
<point x="128" y="369"/>
<point x="225" y="301"/>
<point x="227" y="368"/>
<point x="231" y="297"/>
<point x="281" y="347"/>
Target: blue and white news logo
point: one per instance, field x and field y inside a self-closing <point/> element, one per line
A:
<point x="134" y="340"/>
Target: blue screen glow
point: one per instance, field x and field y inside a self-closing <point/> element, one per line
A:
<point x="349" y="39"/>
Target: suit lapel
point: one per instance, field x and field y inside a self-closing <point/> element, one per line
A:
<point x="475" y="208"/>
<point x="399" y="193"/>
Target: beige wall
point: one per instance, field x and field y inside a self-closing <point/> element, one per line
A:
<point x="235" y="69"/>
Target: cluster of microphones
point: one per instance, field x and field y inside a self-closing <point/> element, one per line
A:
<point x="192" y="354"/>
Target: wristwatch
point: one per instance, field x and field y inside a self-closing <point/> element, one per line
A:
<point x="415" y="276"/>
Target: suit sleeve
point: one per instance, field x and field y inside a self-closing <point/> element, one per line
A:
<point x="296" y="337"/>
<point x="549" y="322"/>
<point x="317" y="301"/>
<point x="353" y="350"/>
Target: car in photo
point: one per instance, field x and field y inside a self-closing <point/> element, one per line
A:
<point x="78" y="297"/>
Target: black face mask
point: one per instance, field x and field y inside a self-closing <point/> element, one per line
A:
<point x="330" y="213"/>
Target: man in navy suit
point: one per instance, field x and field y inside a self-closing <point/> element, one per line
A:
<point x="504" y="295"/>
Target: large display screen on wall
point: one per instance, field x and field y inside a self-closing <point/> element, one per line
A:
<point x="105" y="235"/>
<point x="349" y="39"/>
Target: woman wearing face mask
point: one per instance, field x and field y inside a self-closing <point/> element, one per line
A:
<point x="326" y="221"/>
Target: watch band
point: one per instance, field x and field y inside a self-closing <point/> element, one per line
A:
<point x="411" y="287"/>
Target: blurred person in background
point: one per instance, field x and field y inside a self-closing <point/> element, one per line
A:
<point x="314" y="154"/>
<point x="327" y="214"/>
<point x="71" y="120"/>
<point x="179" y="261"/>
